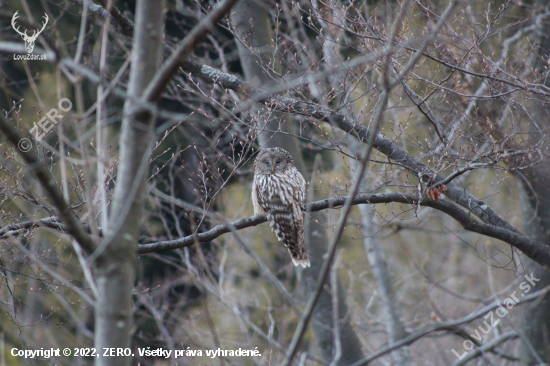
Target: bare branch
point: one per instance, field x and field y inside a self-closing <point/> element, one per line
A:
<point x="532" y="248"/>
<point x="184" y="49"/>
<point x="489" y="346"/>
<point x="49" y="222"/>
<point x="448" y="326"/>
<point x="48" y="183"/>
<point x="381" y="143"/>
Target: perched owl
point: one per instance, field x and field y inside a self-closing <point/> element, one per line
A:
<point x="279" y="192"/>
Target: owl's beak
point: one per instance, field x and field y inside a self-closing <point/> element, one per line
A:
<point x="272" y="170"/>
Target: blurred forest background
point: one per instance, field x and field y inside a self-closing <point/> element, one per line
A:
<point x="459" y="94"/>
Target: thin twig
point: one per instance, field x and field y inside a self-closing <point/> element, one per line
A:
<point x="447" y="326"/>
<point x="48" y="183"/>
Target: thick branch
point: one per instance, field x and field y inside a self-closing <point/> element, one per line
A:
<point x="381" y="142"/>
<point x="532" y="248"/>
<point x="393" y="152"/>
<point x="126" y="25"/>
<point x="184" y="49"/>
<point x="51" y="222"/>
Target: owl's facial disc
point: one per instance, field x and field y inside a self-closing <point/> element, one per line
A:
<point x="272" y="163"/>
<point x="278" y="162"/>
<point x="266" y="165"/>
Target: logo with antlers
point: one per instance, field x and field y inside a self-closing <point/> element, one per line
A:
<point x="29" y="40"/>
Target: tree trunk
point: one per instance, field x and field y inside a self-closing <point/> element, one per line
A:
<point x="115" y="266"/>
<point x="253" y="15"/>
<point x="535" y="203"/>
<point x="394" y="326"/>
<point x="375" y="254"/>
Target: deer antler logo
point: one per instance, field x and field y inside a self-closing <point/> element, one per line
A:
<point x="29" y="40"/>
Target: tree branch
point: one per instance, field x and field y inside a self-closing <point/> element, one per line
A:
<point x="184" y="49"/>
<point x="532" y="248"/>
<point x="53" y="222"/>
<point x="448" y="326"/>
<point x="49" y="184"/>
<point x="381" y="142"/>
<point x="115" y="260"/>
<point x="489" y="346"/>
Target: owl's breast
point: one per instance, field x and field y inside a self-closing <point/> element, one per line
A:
<point x="282" y="188"/>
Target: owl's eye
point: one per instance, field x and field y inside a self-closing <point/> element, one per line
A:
<point x="278" y="161"/>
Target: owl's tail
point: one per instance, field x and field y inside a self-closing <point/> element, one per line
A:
<point x="291" y="235"/>
<point x="298" y="251"/>
<point x="299" y="255"/>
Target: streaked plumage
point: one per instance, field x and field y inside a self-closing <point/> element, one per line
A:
<point x="279" y="192"/>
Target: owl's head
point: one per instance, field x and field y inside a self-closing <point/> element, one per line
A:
<point x="273" y="160"/>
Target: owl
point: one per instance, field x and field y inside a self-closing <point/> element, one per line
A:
<point x="279" y="192"/>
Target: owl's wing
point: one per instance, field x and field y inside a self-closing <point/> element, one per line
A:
<point x="298" y="252"/>
<point x="258" y="210"/>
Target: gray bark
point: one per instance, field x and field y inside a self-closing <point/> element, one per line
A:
<point x="394" y="326"/>
<point x="535" y="203"/>
<point x="253" y="15"/>
<point x="115" y="266"/>
<point x="375" y="254"/>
